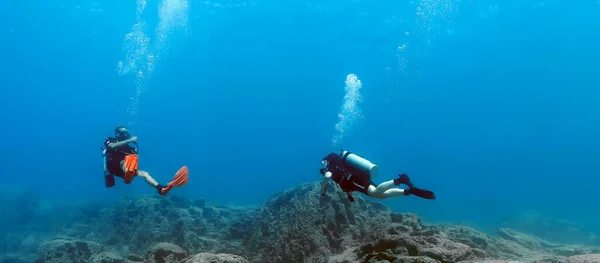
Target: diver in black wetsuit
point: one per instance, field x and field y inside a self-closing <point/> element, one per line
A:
<point x="121" y="160"/>
<point x="353" y="173"/>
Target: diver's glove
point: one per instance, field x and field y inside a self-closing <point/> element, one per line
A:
<point x="403" y="179"/>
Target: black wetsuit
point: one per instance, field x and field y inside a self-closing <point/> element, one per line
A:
<point x="348" y="180"/>
<point x="114" y="157"/>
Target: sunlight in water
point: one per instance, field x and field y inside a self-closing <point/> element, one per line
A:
<point x="350" y="113"/>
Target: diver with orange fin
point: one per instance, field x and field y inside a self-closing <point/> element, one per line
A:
<point x="354" y="173"/>
<point x="121" y="160"/>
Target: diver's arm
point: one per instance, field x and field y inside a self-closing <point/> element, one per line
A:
<point x="326" y="177"/>
<point x="114" y="145"/>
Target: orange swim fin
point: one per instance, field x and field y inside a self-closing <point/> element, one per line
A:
<point x="131" y="166"/>
<point x="180" y="179"/>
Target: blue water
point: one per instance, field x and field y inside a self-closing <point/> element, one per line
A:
<point x="491" y="104"/>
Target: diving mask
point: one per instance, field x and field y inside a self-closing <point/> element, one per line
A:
<point x="324" y="168"/>
<point x="122" y="135"/>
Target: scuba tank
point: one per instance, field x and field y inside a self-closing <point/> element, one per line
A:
<point x="109" y="179"/>
<point x="358" y="163"/>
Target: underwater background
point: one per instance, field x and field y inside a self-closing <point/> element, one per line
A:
<point x="491" y="104"/>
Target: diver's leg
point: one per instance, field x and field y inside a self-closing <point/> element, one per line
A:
<point x="149" y="180"/>
<point x="141" y="173"/>
<point x="123" y="166"/>
<point x="381" y="188"/>
<point x="385" y="190"/>
<point x="326" y="178"/>
<point x="394" y="192"/>
<point x="377" y="193"/>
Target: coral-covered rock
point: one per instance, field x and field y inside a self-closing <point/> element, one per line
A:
<point x="589" y="258"/>
<point x="525" y="240"/>
<point x="410" y="220"/>
<point x="494" y="248"/>
<point x="537" y="246"/>
<point x="165" y="253"/>
<point x="67" y="251"/>
<point x="403" y="259"/>
<point x="216" y="258"/>
<point x="465" y="235"/>
<point x="299" y="225"/>
<point x="552" y="229"/>
<point x="570" y="250"/>
<point x="485" y="261"/>
<point x="108" y="257"/>
<point x="134" y="224"/>
<point x="135" y="258"/>
<point x="418" y="244"/>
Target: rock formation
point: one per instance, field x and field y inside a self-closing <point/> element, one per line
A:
<point x="297" y="225"/>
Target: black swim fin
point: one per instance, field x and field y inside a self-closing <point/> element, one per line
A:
<point x="426" y="194"/>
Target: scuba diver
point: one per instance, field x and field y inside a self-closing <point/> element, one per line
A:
<point x="121" y="160"/>
<point x="353" y="173"/>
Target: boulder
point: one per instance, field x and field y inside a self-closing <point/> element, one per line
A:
<point x="134" y="224"/>
<point x="403" y="259"/>
<point x="488" y="261"/>
<point x="107" y="257"/>
<point x="435" y="247"/>
<point x="299" y="225"/>
<point x="134" y="258"/>
<point x="216" y="258"/>
<point x="165" y="253"/>
<point x="589" y="258"/>
<point x="494" y="247"/>
<point x="525" y="240"/>
<point x="537" y="246"/>
<point x="67" y="251"/>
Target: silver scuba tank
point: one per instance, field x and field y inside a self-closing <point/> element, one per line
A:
<point x="104" y="161"/>
<point x="109" y="179"/>
<point x="358" y="163"/>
